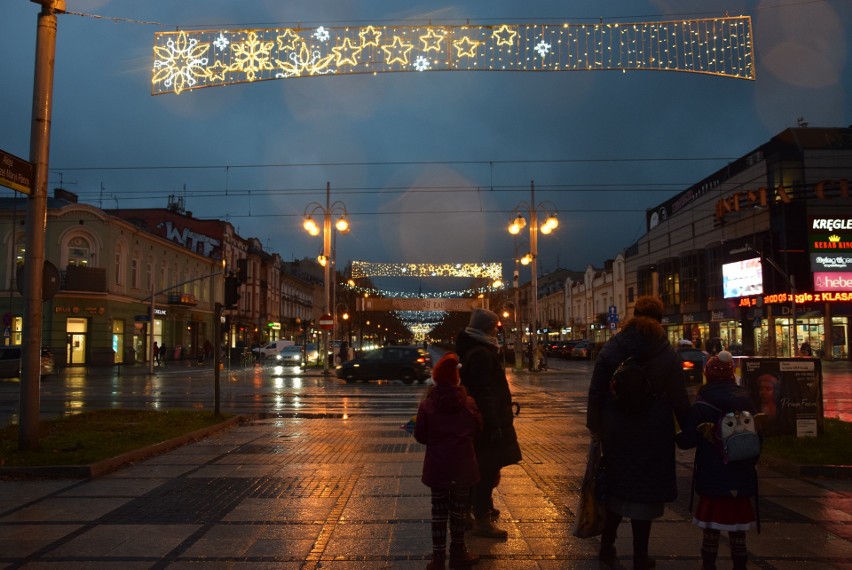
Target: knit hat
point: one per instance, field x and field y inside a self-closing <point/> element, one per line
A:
<point x="648" y="306"/>
<point x="720" y="368"/>
<point x="446" y="371"/>
<point x="483" y="319"/>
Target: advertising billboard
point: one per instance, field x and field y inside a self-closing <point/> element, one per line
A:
<point x="742" y="278"/>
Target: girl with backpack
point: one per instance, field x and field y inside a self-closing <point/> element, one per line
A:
<point x="724" y="487"/>
<point x="447" y="423"/>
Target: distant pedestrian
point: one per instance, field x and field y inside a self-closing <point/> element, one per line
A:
<point x="343" y="353"/>
<point x="155" y="352"/>
<point x="725" y="488"/>
<point x="805" y="350"/>
<point x="448" y="422"/>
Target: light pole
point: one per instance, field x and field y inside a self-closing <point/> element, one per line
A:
<point x="548" y="210"/>
<point x="326" y="259"/>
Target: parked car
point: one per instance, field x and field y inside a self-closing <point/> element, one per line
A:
<point x="553" y="347"/>
<point x="273" y="348"/>
<point x="583" y="349"/>
<point x="290" y="356"/>
<point x="692" y="363"/>
<point x="406" y="363"/>
<point x="10" y="362"/>
<point x="567" y="347"/>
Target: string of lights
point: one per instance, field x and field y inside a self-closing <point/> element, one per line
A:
<point x="490" y="271"/>
<point x="186" y="60"/>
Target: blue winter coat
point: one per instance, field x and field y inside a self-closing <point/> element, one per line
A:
<point x="714" y="478"/>
<point x="639" y="449"/>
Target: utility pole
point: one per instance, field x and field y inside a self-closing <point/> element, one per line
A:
<point x="36" y="222"/>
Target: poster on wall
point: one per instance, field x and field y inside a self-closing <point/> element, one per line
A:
<point x="788" y="391"/>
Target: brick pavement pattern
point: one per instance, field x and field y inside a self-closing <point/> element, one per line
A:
<point x="335" y="493"/>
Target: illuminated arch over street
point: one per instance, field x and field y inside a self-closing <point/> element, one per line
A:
<point x="492" y="271"/>
<point x="186" y="60"/>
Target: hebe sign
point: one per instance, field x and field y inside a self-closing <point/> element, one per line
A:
<point x="832" y="281"/>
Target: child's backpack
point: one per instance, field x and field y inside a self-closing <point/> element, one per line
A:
<point x="631" y="387"/>
<point x="734" y="435"/>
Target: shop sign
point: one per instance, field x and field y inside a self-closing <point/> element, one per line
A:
<point x="829" y="262"/>
<point x="763" y="197"/>
<point x="274" y="326"/>
<point x="833" y="281"/>
<point x="800" y="298"/>
<point x="75" y="310"/>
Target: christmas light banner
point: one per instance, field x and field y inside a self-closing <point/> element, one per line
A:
<point x="491" y="271"/>
<point x="186" y="60"/>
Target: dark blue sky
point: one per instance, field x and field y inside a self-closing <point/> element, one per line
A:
<point x="428" y="165"/>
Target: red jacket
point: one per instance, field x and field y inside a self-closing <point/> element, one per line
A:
<point x="447" y="424"/>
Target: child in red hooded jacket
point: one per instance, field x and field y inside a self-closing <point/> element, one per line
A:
<point x="448" y="421"/>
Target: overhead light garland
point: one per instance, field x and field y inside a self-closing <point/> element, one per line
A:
<point x="492" y="271"/>
<point x="186" y="60"/>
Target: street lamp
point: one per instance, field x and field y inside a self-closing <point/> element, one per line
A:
<point x="326" y="259"/>
<point x="548" y="211"/>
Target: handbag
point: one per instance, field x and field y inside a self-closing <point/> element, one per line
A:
<point x="591" y="512"/>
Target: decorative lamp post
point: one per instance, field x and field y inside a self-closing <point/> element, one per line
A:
<point x="548" y="211"/>
<point x="326" y="259"/>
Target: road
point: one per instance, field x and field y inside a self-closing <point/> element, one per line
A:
<point x="270" y="391"/>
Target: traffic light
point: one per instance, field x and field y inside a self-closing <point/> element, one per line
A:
<point x="232" y="291"/>
<point x="242" y="270"/>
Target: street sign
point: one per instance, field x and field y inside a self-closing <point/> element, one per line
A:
<point x="15" y="173"/>
<point x="326" y="322"/>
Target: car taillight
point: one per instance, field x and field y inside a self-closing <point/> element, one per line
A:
<point x="688" y="365"/>
<point x="421" y="360"/>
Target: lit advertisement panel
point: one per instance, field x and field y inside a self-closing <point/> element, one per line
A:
<point x="742" y="278"/>
<point x="833" y="281"/>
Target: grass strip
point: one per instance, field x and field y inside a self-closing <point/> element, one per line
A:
<point x="832" y="447"/>
<point x="93" y="436"/>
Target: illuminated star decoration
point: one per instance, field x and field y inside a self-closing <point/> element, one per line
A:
<point x="543" y="48"/>
<point x="504" y="35"/>
<point x="185" y="60"/>
<point x="397" y="52"/>
<point x="370" y="36"/>
<point x="432" y="40"/>
<point x="466" y="47"/>
<point x="180" y="63"/>
<point x="288" y="40"/>
<point x="347" y="47"/>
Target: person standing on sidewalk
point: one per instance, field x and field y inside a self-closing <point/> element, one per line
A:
<point x="483" y="375"/>
<point x="447" y="424"/>
<point x="638" y="446"/>
<point x="725" y="488"/>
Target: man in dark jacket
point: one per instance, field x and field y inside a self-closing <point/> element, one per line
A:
<point x="483" y="376"/>
<point x="638" y="446"/>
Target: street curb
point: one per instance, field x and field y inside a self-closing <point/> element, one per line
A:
<point x="111" y="464"/>
<point x="795" y="470"/>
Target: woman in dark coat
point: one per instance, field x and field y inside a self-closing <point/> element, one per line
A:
<point x="725" y="489"/>
<point x="638" y="447"/>
<point x="483" y="375"/>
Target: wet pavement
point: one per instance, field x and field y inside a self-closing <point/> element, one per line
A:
<point x="341" y="489"/>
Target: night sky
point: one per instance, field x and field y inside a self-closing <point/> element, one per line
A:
<point x="428" y="165"/>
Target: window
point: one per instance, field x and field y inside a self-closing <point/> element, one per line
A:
<point x="691" y="279"/>
<point x="149" y="275"/>
<point x="119" y="266"/>
<point x="78" y="252"/>
<point x="134" y="273"/>
<point x="670" y="282"/>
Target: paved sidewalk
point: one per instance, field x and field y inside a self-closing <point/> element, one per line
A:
<point x="345" y="493"/>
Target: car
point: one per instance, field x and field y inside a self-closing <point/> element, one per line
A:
<point x="583" y="349"/>
<point x="10" y="362"/>
<point x="290" y="356"/>
<point x="273" y="348"/>
<point x="406" y="363"/>
<point x="567" y="347"/>
<point x="692" y="362"/>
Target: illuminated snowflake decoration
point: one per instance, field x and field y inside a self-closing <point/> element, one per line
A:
<point x="180" y="63"/>
<point x="306" y="62"/>
<point x="322" y="34"/>
<point x="221" y="42"/>
<point x="252" y="56"/>
<point x="421" y="63"/>
<point x="543" y="48"/>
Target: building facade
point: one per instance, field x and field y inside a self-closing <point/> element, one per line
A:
<point x="758" y="254"/>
